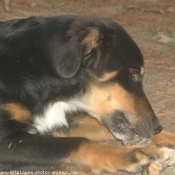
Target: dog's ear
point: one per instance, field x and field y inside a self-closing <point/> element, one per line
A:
<point x="77" y="47"/>
<point x="86" y="43"/>
<point x="65" y="56"/>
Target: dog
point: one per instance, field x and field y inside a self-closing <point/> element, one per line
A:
<point x="58" y="74"/>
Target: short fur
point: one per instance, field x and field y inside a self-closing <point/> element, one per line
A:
<point x="54" y="69"/>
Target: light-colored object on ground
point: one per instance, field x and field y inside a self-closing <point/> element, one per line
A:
<point x="155" y="168"/>
<point x="6" y="5"/>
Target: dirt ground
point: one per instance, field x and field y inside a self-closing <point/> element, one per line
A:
<point x="151" y="23"/>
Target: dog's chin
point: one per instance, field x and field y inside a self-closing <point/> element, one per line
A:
<point x="124" y="132"/>
<point x="119" y="126"/>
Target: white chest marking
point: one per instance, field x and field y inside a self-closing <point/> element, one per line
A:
<point x="54" y="116"/>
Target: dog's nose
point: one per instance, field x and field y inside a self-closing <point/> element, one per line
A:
<point x="157" y="126"/>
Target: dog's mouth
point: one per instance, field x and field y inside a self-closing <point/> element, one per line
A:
<point x="120" y="127"/>
<point x="123" y="130"/>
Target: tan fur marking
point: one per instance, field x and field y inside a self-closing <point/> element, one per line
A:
<point x="91" y="40"/>
<point x="108" y="76"/>
<point x="97" y="157"/>
<point x="17" y="111"/>
<point x="142" y="70"/>
<point x="106" y="100"/>
<point x="87" y="127"/>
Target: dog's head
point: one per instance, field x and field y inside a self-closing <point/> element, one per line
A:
<point x="110" y="67"/>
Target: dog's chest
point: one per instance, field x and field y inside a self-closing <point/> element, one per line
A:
<point x="54" y="116"/>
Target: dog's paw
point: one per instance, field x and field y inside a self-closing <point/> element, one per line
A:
<point x="155" y="168"/>
<point x="171" y="158"/>
<point x="155" y="158"/>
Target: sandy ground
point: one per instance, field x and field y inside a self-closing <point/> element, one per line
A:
<point x="151" y="23"/>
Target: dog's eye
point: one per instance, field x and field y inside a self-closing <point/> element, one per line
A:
<point x="135" y="75"/>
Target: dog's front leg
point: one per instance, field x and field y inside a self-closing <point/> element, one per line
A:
<point x="165" y="138"/>
<point x="131" y="159"/>
<point x="22" y="151"/>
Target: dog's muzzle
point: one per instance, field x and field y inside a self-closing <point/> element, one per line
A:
<point x="125" y="130"/>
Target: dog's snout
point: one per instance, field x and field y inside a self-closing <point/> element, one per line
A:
<point x="157" y="126"/>
<point x="146" y="118"/>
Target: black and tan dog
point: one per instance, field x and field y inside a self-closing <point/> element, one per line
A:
<point x="51" y="70"/>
